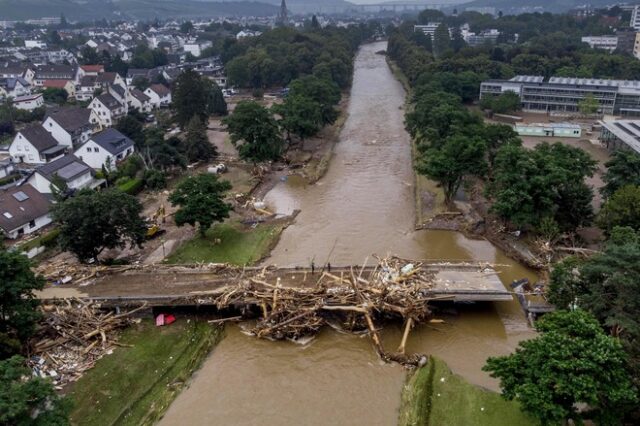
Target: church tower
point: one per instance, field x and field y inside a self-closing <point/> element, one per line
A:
<point x="283" y="16"/>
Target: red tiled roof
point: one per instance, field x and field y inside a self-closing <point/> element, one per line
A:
<point x="92" y="68"/>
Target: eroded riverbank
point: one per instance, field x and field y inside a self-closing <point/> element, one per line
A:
<point x="363" y="205"/>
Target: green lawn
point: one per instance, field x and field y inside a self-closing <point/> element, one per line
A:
<point x="435" y="396"/>
<point x="134" y="386"/>
<point x="239" y="244"/>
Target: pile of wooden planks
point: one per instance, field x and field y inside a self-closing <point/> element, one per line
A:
<point x="73" y="336"/>
<point x="396" y="288"/>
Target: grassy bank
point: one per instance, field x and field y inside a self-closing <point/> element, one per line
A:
<point x="238" y="244"/>
<point x="135" y="385"/>
<point x="436" y="396"/>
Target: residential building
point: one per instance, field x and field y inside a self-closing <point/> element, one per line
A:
<point x="428" y="29"/>
<point x="28" y="102"/>
<point x="34" y="145"/>
<point x="67" y="85"/>
<point x="17" y="70"/>
<point x="107" y="148"/>
<point x="636" y="46"/>
<point x="72" y="126"/>
<point x="14" y="87"/>
<point x="626" y="40"/>
<point x="7" y="167"/>
<point x="563" y="94"/>
<point x="196" y="47"/>
<point x="159" y="95"/>
<point x="607" y="42"/>
<point x="635" y="18"/>
<point x="23" y="210"/>
<point x="54" y="72"/>
<point x="139" y="101"/>
<point x="108" y="109"/>
<point x="73" y="171"/>
<point x="620" y="134"/>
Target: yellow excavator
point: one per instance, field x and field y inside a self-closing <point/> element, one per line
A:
<point x="153" y="223"/>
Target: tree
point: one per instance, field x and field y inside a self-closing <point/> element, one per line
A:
<point x="93" y="221"/>
<point x="254" y="132"/>
<point x="506" y="102"/>
<point x="441" y="40"/>
<point x="189" y="97"/>
<point x="621" y="209"/>
<point x="131" y="127"/>
<point x="201" y="201"/>
<point x="301" y="116"/>
<point x="196" y="143"/>
<point x="27" y="400"/>
<point x="529" y="185"/>
<point x="186" y="27"/>
<point x="572" y="362"/>
<point x="325" y="92"/>
<point x="215" y="99"/>
<point x="55" y="95"/>
<point x="18" y="303"/>
<point x="158" y="153"/>
<point x="623" y="169"/>
<point x="589" y="105"/>
<point x="460" y="156"/>
<point x="314" y="23"/>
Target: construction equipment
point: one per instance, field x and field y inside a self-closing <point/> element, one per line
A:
<point x="153" y="223"/>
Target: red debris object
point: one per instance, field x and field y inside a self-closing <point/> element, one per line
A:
<point x="165" y="319"/>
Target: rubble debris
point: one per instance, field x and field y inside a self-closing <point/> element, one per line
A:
<point x="73" y="336"/>
<point x="397" y="288"/>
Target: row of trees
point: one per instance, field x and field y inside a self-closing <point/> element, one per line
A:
<point x="257" y="131"/>
<point x="281" y="55"/>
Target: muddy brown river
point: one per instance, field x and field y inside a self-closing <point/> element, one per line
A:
<point x="364" y="205"/>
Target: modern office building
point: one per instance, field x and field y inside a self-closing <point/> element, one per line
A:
<point x="564" y="94"/>
<point x="609" y="43"/>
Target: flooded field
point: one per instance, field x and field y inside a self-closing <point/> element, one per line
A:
<point x="364" y="205"/>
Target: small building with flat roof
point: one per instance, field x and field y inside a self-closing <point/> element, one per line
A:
<point x="562" y="130"/>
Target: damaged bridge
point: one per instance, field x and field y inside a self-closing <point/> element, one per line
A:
<point x="191" y="285"/>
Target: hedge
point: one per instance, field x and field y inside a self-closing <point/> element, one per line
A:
<point x="132" y="186"/>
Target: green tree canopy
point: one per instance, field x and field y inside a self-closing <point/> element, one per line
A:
<point x="201" y="201"/>
<point x="441" y="40"/>
<point x="189" y="97"/>
<point x="589" y="105"/>
<point x="131" y="127"/>
<point x="543" y="182"/>
<point x="300" y="116"/>
<point x="325" y="92"/>
<point x="93" y="221"/>
<point x="55" y="95"/>
<point x="29" y="401"/>
<point x="18" y="304"/>
<point x="460" y="156"/>
<point x="215" y="99"/>
<point x="572" y="362"/>
<point x="621" y="209"/>
<point x="255" y="132"/>
<point x="623" y="169"/>
<point x="196" y="143"/>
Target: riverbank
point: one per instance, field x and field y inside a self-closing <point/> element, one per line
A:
<point x="433" y="395"/>
<point x="137" y="382"/>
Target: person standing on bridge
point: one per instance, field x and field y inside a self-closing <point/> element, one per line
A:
<point x="313" y="267"/>
<point x="329" y="267"/>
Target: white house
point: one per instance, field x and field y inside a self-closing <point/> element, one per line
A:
<point x="15" y="87"/>
<point x="6" y="167"/>
<point x="28" y="102"/>
<point x="107" y="109"/>
<point x="139" y="101"/>
<point x="23" y="210"/>
<point x="34" y="145"/>
<point x="75" y="173"/>
<point x="106" y="148"/>
<point x="72" y="126"/>
<point x="159" y="95"/>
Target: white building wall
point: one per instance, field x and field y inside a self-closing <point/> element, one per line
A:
<point x="28" y="229"/>
<point x="21" y="151"/>
<point x="58" y="133"/>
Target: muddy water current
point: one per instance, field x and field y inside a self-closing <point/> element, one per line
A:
<point x="364" y="205"/>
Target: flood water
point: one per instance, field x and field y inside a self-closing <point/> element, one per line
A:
<point x="364" y="205"/>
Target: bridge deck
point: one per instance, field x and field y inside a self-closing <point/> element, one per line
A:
<point x="175" y="286"/>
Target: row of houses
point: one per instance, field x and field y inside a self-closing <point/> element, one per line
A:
<point x="25" y="208"/>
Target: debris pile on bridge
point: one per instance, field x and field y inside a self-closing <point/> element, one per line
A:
<point x="396" y="288"/>
<point x="73" y="336"/>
